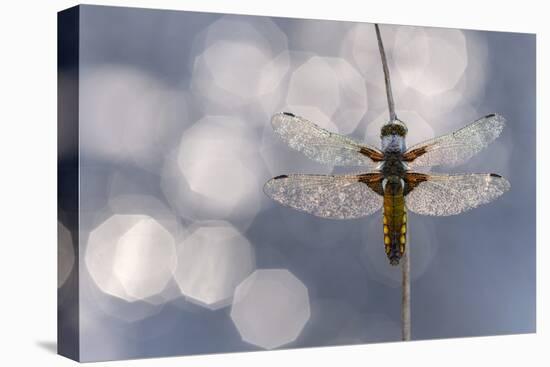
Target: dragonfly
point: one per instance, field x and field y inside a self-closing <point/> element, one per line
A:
<point x="395" y="179"/>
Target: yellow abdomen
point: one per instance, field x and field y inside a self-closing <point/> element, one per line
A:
<point x="395" y="223"/>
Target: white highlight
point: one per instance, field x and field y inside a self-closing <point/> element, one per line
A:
<point x="212" y="175"/>
<point x="331" y="85"/>
<point x="270" y="308"/>
<point x="435" y="71"/>
<point x="131" y="256"/>
<point x="237" y="60"/>
<point x="430" y="60"/>
<point x="212" y="261"/>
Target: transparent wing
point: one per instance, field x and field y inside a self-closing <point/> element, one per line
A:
<point x="336" y="197"/>
<point x="321" y="145"/>
<point x="458" y="147"/>
<point x="444" y="195"/>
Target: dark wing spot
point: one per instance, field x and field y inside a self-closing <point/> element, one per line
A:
<point x="279" y="177"/>
<point x="411" y="155"/>
<point x="289" y="114"/>
<point x="413" y="179"/>
<point x="495" y="175"/>
<point x="490" y="115"/>
<point x="375" y="155"/>
<point x="374" y="181"/>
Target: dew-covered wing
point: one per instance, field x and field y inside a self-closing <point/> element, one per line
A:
<point x="442" y="195"/>
<point x="323" y="146"/>
<point x="329" y="196"/>
<point x="455" y="148"/>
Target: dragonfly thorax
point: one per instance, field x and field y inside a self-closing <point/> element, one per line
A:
<point x="393" y="164"/>
<point x="393" y="136"/>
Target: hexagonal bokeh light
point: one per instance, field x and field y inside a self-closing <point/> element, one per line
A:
<point x="112" y="131"/>
<point x="340" y="93"/>
<point x="430" y="60"/>
<point x="337" y="102"/>
<point x="124" y="197"/>
<point x="234" y="60"/>
<point x="360" y="48"/>
<point x="65" y="254"/>
<point x="424" y="63"/>
<point x="308" y="88"/>
<point x="273" y="72"/>
<point x="213" y="174"/>
<point x="270" y="308"/>
<point x="131" y="256"/>
<point x="212" y="261"/>
<point x="323" y="36"/>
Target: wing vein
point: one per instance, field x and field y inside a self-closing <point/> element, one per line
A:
<point x="321" y="145"/>
<point x="330" y="196"/>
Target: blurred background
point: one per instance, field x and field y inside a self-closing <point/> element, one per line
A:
<point x="179" y="250"/>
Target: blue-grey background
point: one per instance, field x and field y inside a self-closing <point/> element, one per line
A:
<point x="155" y="85"/>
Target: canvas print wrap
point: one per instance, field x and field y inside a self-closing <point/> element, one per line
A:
<point x="232" y="183"/>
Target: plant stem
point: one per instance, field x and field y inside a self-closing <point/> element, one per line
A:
<point x="389" y="95"/>
<point x="405" y="260"/>
<point x="406" y="296"/>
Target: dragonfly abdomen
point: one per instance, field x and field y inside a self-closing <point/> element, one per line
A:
<point x="394" y="219"/>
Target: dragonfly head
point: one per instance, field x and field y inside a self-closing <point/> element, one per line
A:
<point x="395" y="127"/>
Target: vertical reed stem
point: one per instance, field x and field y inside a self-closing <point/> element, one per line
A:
<point x="389" y="95"/>
<point x="406" y="295"/>
<point x="405" y="260"/>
